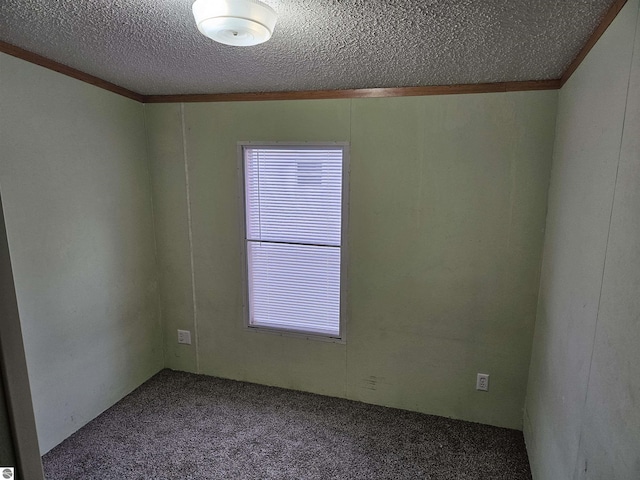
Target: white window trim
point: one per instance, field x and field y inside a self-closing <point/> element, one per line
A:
<point x="344" y="258"/>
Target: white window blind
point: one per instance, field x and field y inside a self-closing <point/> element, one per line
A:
<point x="293" y="204"/>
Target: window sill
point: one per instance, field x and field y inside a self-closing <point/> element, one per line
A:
<point x="301" y="335"/>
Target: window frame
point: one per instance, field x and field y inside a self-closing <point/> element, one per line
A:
<point x="342" y="335"/>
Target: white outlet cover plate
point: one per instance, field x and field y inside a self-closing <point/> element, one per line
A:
<point x="482" y="382"/>
<point x="184" y="336"/>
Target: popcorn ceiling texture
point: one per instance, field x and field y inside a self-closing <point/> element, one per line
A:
<point x="154" y="47"/>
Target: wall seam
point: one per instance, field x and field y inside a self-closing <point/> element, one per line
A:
<point x="155" y="240"/>
<point x="606" y="250"/>
<point x="190" y="232"/>
<point x="346" y="323"/>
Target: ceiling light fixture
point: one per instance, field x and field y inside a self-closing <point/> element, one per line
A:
<point x="235" y="22"/>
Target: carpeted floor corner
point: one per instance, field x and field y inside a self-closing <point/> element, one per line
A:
<point x="185" y="426"/>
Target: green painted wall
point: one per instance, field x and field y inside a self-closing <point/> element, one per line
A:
<point x="447" y="208"/>
<point x="582" y="418"/>
<point x="77" y="200"/>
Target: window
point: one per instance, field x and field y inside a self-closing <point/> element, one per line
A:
<point x="294" y="226"/>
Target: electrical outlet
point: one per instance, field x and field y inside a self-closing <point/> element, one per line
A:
<point x="482" y="382"/>
<point x="184" y="336"/>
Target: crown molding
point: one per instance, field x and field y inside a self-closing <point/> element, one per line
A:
<point x="609" y="17"/>
<point x="66" y="70"/>
<point x="358" y="93"/>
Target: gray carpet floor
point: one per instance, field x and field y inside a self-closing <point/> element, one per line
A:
<point x="184" y="426"/>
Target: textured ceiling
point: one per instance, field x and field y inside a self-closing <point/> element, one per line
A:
<point x="154" y="47"/>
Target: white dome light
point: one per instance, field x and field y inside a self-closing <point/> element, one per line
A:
<point x="235" y="22"/>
